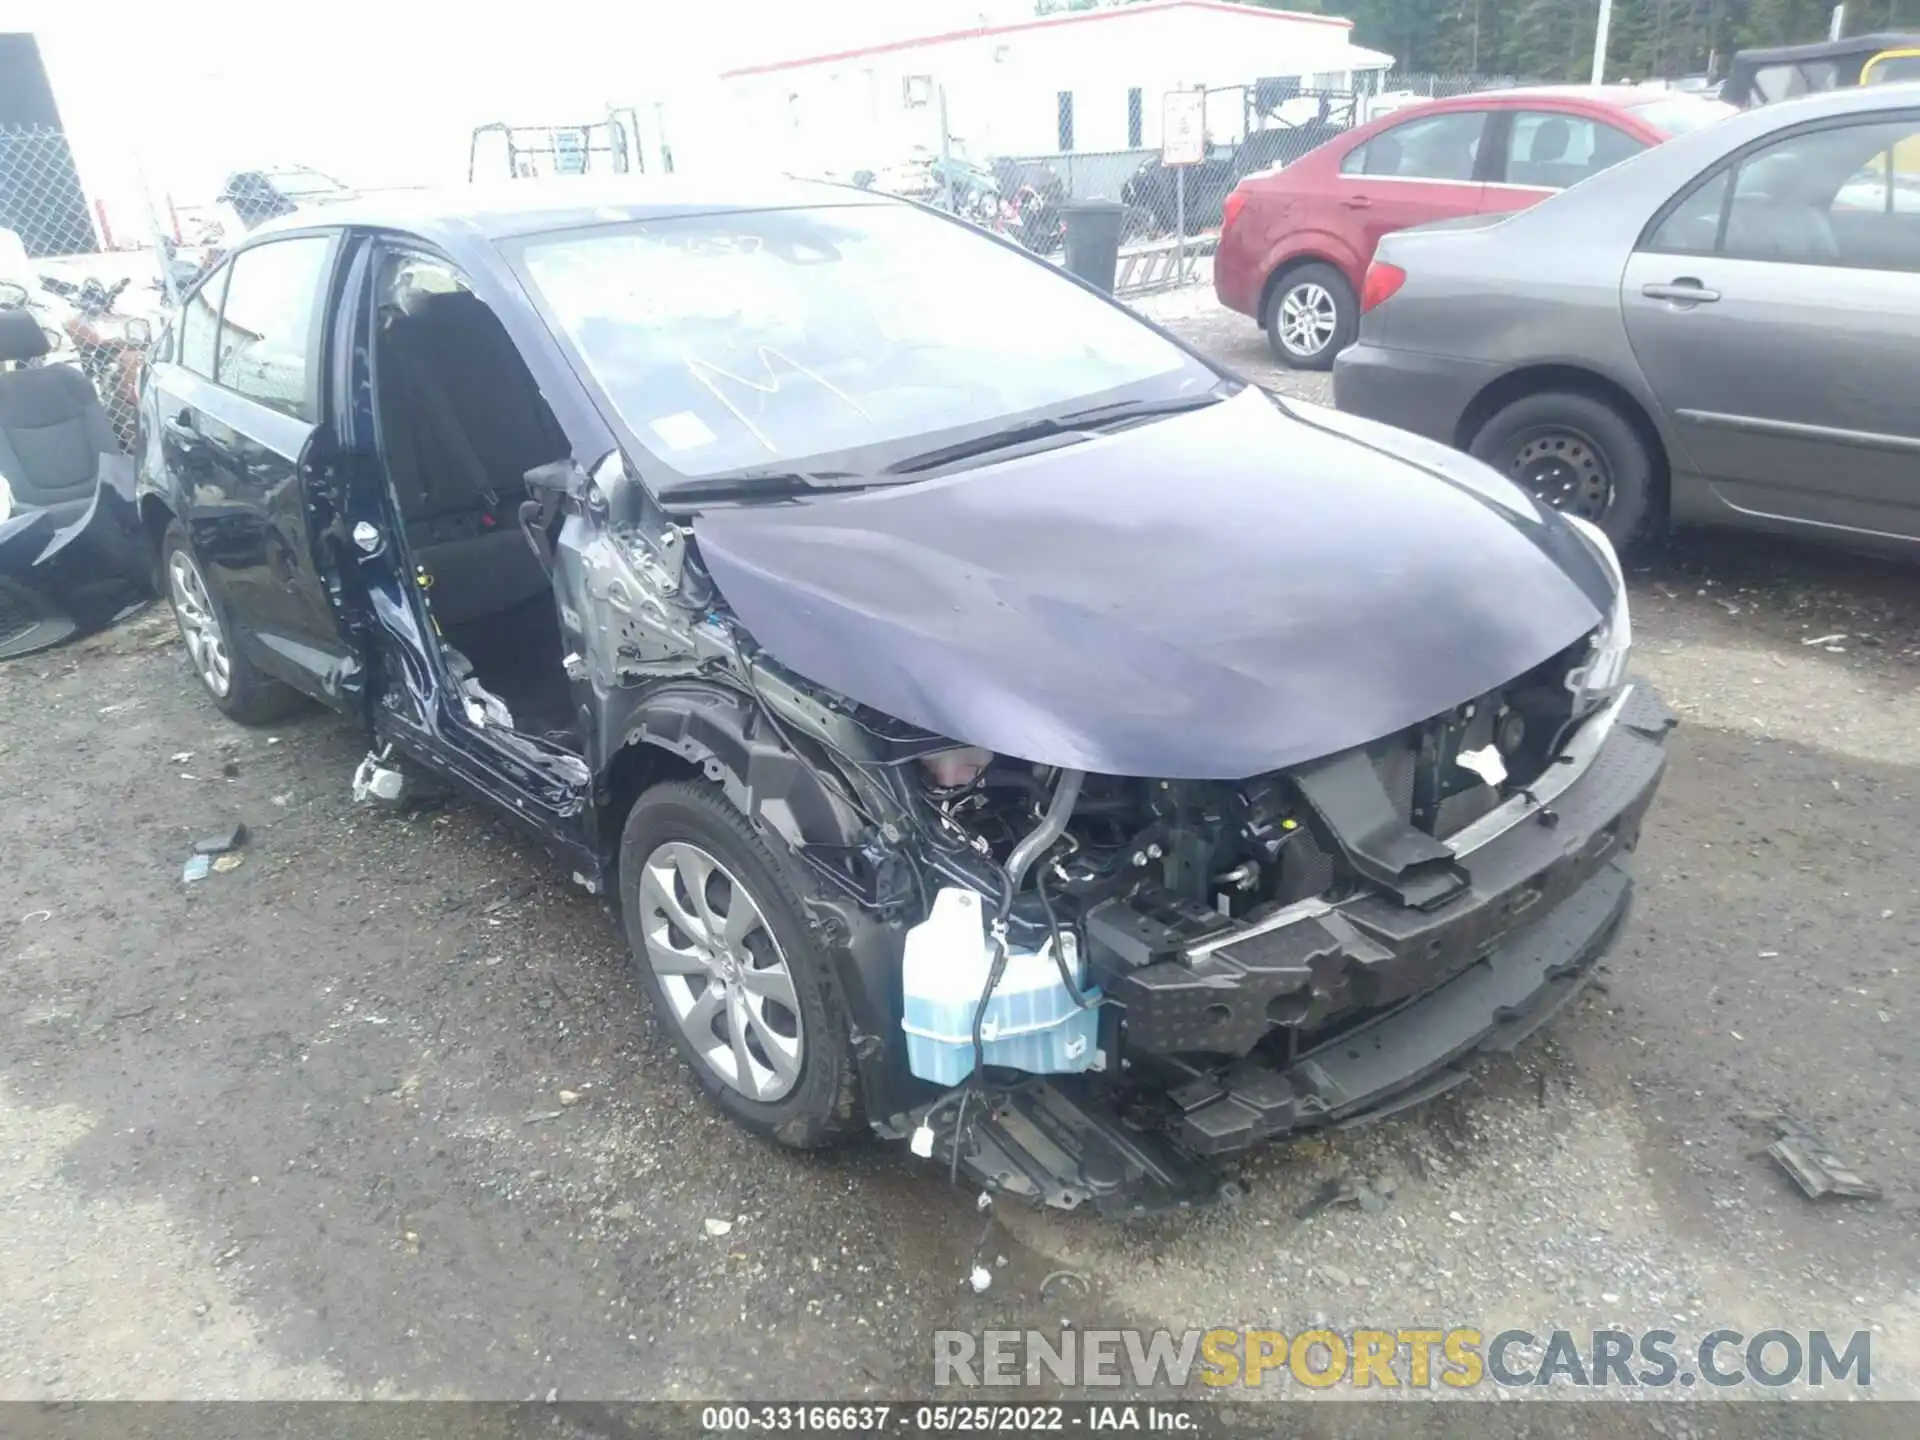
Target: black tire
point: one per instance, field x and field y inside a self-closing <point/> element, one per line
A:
<point x="251" y="698"/>
<point x="1309" y="282"/>
<point x="1579" y="454"/>
<point x="824" y="1105"/>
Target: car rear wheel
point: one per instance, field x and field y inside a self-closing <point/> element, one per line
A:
<point x="228" y="676"/>
<point x="1312" y="317"/>
<point x="1577" y="454"/>
<point x="735" y="974"/>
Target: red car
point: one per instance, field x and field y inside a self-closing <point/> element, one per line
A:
<point x="1295" y="243"/>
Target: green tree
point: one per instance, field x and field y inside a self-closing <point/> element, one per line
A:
<point x="1553" y="39"/>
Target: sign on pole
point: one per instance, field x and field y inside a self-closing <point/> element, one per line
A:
<point x="1183" y="128"/>
<point x="1183" y="142"/>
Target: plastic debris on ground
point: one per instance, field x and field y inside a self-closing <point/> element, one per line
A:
<point x="196" y="868"/>
<point x="231" y="838"/>
<point x="1816" y="1169"/>
<point x="1346" y="1190"/>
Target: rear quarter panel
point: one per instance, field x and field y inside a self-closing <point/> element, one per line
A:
<point x="1289" y="215"/>
<point x="1514" y="298"/>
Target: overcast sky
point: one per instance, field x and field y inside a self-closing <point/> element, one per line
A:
<point x="386" y="91"/>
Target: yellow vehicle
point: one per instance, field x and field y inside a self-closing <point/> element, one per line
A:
<point x="1889" y="67"/>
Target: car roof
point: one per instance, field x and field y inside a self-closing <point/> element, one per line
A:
<point x="1612" y="206"/>
<point x="1616" y="96"/>
<point x="1826" y="49"/>
<point x="496" y="210"/>
<point x="1847" y="100"/>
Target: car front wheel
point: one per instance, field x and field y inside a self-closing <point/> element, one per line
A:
<point x="716" y="923"/>
<point x="1577" y="454"/>
<point x="1313" y="316"/>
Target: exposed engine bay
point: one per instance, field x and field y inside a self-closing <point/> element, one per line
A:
<point x="1104" y="980"/>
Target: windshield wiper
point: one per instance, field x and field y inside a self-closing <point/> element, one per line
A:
<point x="1122" y="410"/>
<point x="1095" y="417"/>
<point x="980" y="445"/>
<point x="764" y="485"/>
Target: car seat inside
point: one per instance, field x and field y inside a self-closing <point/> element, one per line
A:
<point x="460" y="421"/>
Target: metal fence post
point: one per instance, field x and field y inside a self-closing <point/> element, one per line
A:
<point x="946" y="149"/>
<point x="1180" y="224"/>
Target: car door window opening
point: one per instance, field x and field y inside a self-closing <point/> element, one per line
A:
<point x="199" y="324"/>
<point x="1551" y="151"/>
<point x="268" y="335"/>
<point x="1838" y="195"/>
<point x="460" y="421"/>
<point x="1439" y="147"/>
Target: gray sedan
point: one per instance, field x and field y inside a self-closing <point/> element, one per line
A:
<point x="1724" y="329"/>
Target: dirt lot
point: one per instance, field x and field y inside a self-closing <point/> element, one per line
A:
<point x="379" y="1113"/>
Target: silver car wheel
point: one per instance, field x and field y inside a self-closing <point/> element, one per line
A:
<point x="199" y="624"/>
<point x="1308" y="318"/>
<point x="1565" y="470"/>
<point x="721" y="970"/>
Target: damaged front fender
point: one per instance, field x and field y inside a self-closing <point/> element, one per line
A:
<point x="659" y="684"/>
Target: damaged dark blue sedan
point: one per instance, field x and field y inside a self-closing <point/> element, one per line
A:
<point x="997" y="725"/>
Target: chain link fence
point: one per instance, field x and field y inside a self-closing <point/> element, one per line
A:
<point x="1172" y="219"/>
<point x="1437" y="85"/>
<point x="94" y="290"/>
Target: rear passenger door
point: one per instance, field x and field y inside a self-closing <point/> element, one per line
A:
<point x="243" y="427"/>
<point x="1542" y="152"/>
<point x="1774" y="307"/>
<point x="1425" y="168"/>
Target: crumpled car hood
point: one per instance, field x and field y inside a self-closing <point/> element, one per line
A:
<point x="1208" y="596"/>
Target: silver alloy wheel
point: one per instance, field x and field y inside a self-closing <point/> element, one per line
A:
<point x="1308" y="318"/>
<point x="199" y="624"/>
<point x="721" y="969"/>
<point x="1566" y="470"/>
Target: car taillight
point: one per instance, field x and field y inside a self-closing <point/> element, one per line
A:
<point x="1382" y="283"/>
<point x="1231" y="207"/>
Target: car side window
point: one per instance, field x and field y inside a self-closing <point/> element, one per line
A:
<point x="1842" y="195"/>
<point x="1551" y="151"/>
<point x="200" y="324"/>
<point x="1438" y="147"/>
<point x="268" y="323"/>
<point x="1786" y="80"/>
<point x="1692" y="227"/>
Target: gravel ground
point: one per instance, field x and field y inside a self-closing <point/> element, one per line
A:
<point x="378" y="1113"/>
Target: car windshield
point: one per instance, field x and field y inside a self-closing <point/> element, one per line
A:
<point x="1679" y="114"/>
<point x="841" y="338"/>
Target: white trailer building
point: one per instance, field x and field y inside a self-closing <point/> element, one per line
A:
<point x="1091" y="80"/>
